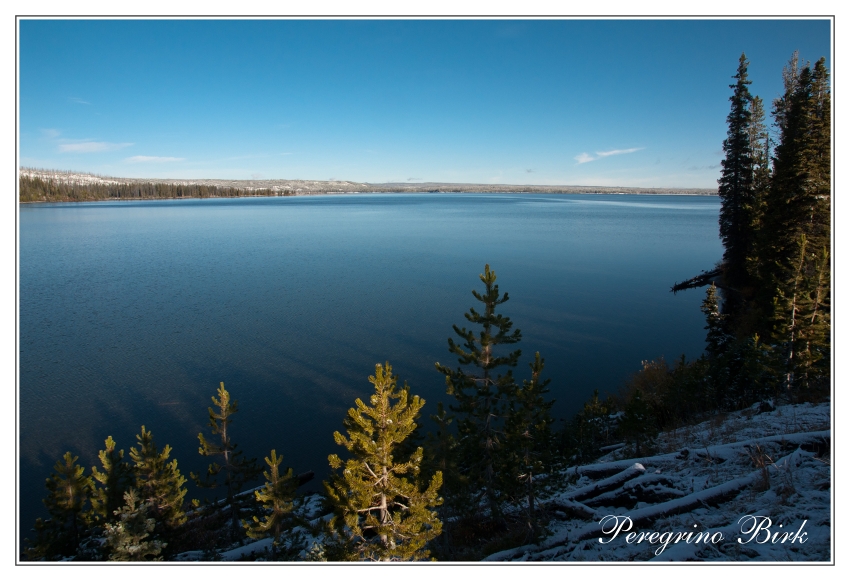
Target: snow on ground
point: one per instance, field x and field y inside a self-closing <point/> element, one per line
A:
<point x="749" y="486"/>
<point x="753" y="485"/>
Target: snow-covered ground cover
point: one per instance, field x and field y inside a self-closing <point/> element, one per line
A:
<point x="753" y="485"/>
<point x="747" y="486"/>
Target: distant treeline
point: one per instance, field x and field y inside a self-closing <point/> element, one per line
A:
<point x="34" y="189"/>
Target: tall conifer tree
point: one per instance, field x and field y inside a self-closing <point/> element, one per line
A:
<point x="735" y="186"/>
<point x="483" y="395"/>
<point x="796" y="239"/>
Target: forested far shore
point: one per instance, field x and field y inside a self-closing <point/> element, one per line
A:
<point x="36" y="189"/>
<point x="38" y="185"/>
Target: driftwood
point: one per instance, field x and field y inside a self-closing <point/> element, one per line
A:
<point x="304" y="478"/>
<point x="703" y="279"/>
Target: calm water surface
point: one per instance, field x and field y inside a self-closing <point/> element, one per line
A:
<point x="132" y="313"/>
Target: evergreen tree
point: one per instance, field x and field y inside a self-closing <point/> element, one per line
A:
<point x="275" y="497"/>
<point x="115" y="480"/>
<point x="236" y="469"/>
<point x="159" y="484"/>
<point x="126" y="537"/>
<point x="735" y="186"/>
<point x="482" y="394"/>
<point x="796" y="238"/>
<point x="68" y="492"/>
<point x="760" y="145"/>
<point x="717" y="337"/>
<point x="381" y="512"/>
<point x="637" y="424"/>
<point x="802" y="319"/>
<point x="590" y="429"/>
<point x="530" y="435"/>
<point x="790" y="81"/>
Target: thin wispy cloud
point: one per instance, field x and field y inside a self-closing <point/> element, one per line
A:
<point x="151" y="158"/>
<point x="78" y="101"/>
<point x="586" y="157"/>
<point x="51" y="133"/>
<point x="91" y="146"/>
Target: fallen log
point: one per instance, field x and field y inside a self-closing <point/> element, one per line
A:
<point x="709" y="496"/>
<point x="602" y="469"/>
<point x="607" y="484"/>
<point x="652" y="489"/>
<point x="572" y="507"/>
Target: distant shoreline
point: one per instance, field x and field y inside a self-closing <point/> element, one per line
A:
<point x="84" y="186"/>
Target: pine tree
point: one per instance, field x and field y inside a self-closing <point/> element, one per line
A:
<point x="530" y="435"/>
<point x="68" y="492"/>
<point x="637" y="424"/>
<point x="441" y="455"/>
<point x="796" y="238"/>
<point x="276" y="498"/>
<point x="381" y="512"/>
<point x="482" y="394"/>
<point x="790" y="81"/>
<point x="802" y="319"/>
<point x="717" y="337"/>
<point x="159" y="484"/>
<point x="126" y="537"/>
<point x="236" y="469"/>
<point x="115" y="480"/>
<point x="735" y="186"/>
<point x="760" y="145"/>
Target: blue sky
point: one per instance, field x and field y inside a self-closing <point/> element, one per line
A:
<point x="576" y="102"/>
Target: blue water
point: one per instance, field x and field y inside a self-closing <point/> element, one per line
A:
<point x="132" y="313"/>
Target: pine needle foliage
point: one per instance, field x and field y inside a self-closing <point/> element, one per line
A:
<point x="735" y="186"/>
<point x="482" y="394"/>
<point x="159" y="484"/>
<point x="382" y="513"/>
<point x="68" y="493"/>
<point x="276" y="498"/>
<point x="115" y="479"/>
<point x="126" y="538"/>
<point x="529" y="430"/>
<point x="235" y="469"/>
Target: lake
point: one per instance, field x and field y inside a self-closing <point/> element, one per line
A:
<point x="131" y="313"/>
